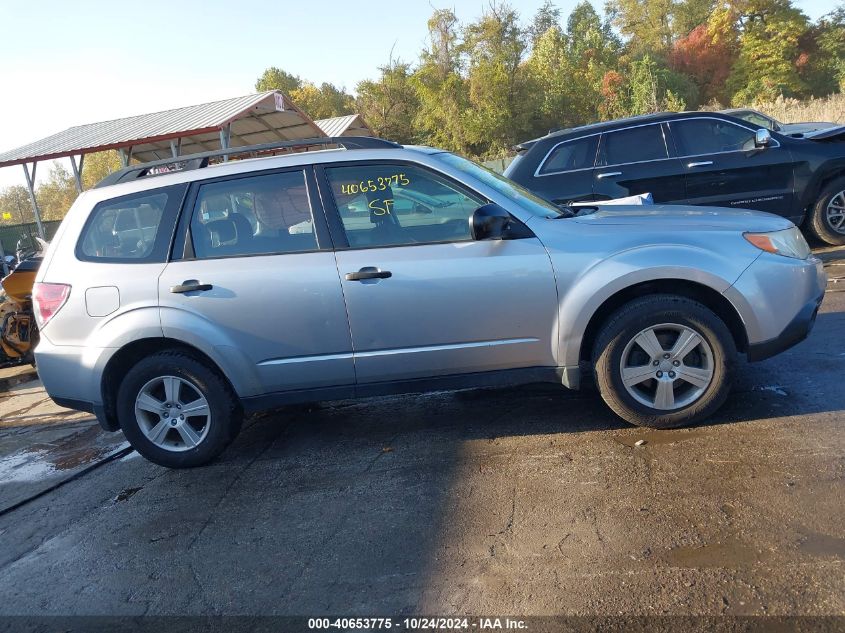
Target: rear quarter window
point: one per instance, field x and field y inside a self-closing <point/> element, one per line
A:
<point x="134" y="228"/>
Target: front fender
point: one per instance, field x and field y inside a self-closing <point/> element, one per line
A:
<point x="214" y="342"/>
<point x="582" y="296"/>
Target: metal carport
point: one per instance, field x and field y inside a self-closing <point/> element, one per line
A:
<point x="254" y="119"/>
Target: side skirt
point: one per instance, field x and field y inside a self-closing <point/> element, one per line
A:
<point x="567" y="376"/>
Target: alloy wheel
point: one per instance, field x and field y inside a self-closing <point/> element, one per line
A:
<point x="172" y="413"/>
<point x="835" y="215"/>
<point x="667" y="366"/>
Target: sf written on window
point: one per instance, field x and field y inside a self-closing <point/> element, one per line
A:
<point x="391" y="205"/>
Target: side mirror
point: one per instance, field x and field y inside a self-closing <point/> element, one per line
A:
<point x="489" y="222"/>
<point x="762" y="138"/>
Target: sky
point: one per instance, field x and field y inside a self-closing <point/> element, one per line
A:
<point x="68" y="63"/>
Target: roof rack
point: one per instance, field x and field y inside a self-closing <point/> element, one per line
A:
<point x="199" y="161"/>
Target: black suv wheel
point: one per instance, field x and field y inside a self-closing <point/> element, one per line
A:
<point x="827" y="217"/>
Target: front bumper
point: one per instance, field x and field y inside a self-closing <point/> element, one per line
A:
<point x="797" y="330"/>
<point x="778" y="299"/>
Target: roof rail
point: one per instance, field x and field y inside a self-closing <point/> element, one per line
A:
<point x="199" y="161"/>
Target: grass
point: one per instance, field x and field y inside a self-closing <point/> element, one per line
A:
<point x="830" y="108"/>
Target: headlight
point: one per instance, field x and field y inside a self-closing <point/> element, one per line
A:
<point x="788" y="242"/>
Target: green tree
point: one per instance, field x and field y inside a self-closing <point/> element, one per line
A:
<point x="821" y="62"/>
<point x="495" y="46"/>
<point x="15" y="201"/>
<point x="97" y="166"/>
<point x="688" y="14"/>
<point x="324" y="101"/>
<point x="389" y="104"/>
<point x="646" y="23"/>
<point x="547" y="17"/>
<point x="57" y="193"/>
<point x="593" y="50"/>
<point x="440" y="87"/>
<point x="655" y="88"/>
<point x="277" y="79"/>
<point x="550" y="78"/>
<point x="770" y="33"/>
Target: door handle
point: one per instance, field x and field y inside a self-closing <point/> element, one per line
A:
<point x="701" y="163"/>
<point x="608" y="174"/>
<point x="368" y="272"/>
<point x="190" y="285"/>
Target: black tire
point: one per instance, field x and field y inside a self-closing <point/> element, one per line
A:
<point x="817" y="221"/>
<point x="225" y="419"/>
<point x="641" y="314"/>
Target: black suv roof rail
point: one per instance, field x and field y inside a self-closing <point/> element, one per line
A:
<point x="198" y="161"/>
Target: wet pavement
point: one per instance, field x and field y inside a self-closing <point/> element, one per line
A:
<point x="531" y="500"/>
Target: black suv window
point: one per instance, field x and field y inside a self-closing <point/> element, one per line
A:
<point x="633" y="145"/>
<point x="578" y="153"/>
<point x="256" y="215"/>
<point x="710" y="136"/>
<point x="391" y="204"/>
<point x="134" y="228"/>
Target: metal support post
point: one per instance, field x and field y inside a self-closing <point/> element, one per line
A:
<point x="77" y="171"/>
<point x="225" y="136"/>
<point x="30" y="184"/>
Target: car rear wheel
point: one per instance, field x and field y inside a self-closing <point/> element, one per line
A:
<point x="176" y="411"/>
<point x="664" y="361"/>
<point x="827" y="217"/>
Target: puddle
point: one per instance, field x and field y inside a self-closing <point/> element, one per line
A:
<point x="656" y="438"/>
<point x="41" y="460"/>
<point x="726" y="554"/>
<point x="822" y="545"/>
<point x="25" y="466"/>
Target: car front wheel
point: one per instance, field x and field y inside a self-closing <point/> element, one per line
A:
<point x="176" y="411"/>
<point x="664" y="361"/>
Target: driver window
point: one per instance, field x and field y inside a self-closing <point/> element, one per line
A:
<point x="710" y="136"/>
<point x="392" y="205"/>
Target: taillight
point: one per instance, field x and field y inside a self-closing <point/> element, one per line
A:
<point x="48" y="299"/>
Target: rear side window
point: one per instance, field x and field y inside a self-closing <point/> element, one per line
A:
<point x="259" y="215"/>
<point x="134" y="228"/>
<point x="634" y="145"/>
<point x="577" y="154"/>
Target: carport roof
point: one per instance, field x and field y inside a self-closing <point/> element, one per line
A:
<point x="258" y="118"/>
<point x="349" y="125"/>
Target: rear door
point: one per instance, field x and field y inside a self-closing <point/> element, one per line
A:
<point x="425" y="299"/>
<point x="724" y="168"/>
<point x="638" y="160"/>
<point x="267" y="293"/>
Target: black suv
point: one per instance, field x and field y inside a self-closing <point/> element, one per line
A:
<point x="703" y="158"/>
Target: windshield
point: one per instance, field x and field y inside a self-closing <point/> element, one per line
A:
<point x="760" y="119"/>
<point x="508" y="188"/>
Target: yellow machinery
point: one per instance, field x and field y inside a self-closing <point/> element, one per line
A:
<point x="18" y="331"/>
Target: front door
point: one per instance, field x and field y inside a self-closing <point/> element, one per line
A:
<point x="638" y="160"/>
<point x="257" y="281"/>
<point x="425" y="299"/>
<point x="724" y="168"/>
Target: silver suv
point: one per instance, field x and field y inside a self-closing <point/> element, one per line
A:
<point x="174" y="301"/>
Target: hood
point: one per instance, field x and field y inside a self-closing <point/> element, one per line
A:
<point x="792" y="129"/>
<point x="835" y="133"/>
<point x="682" y="217"/>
